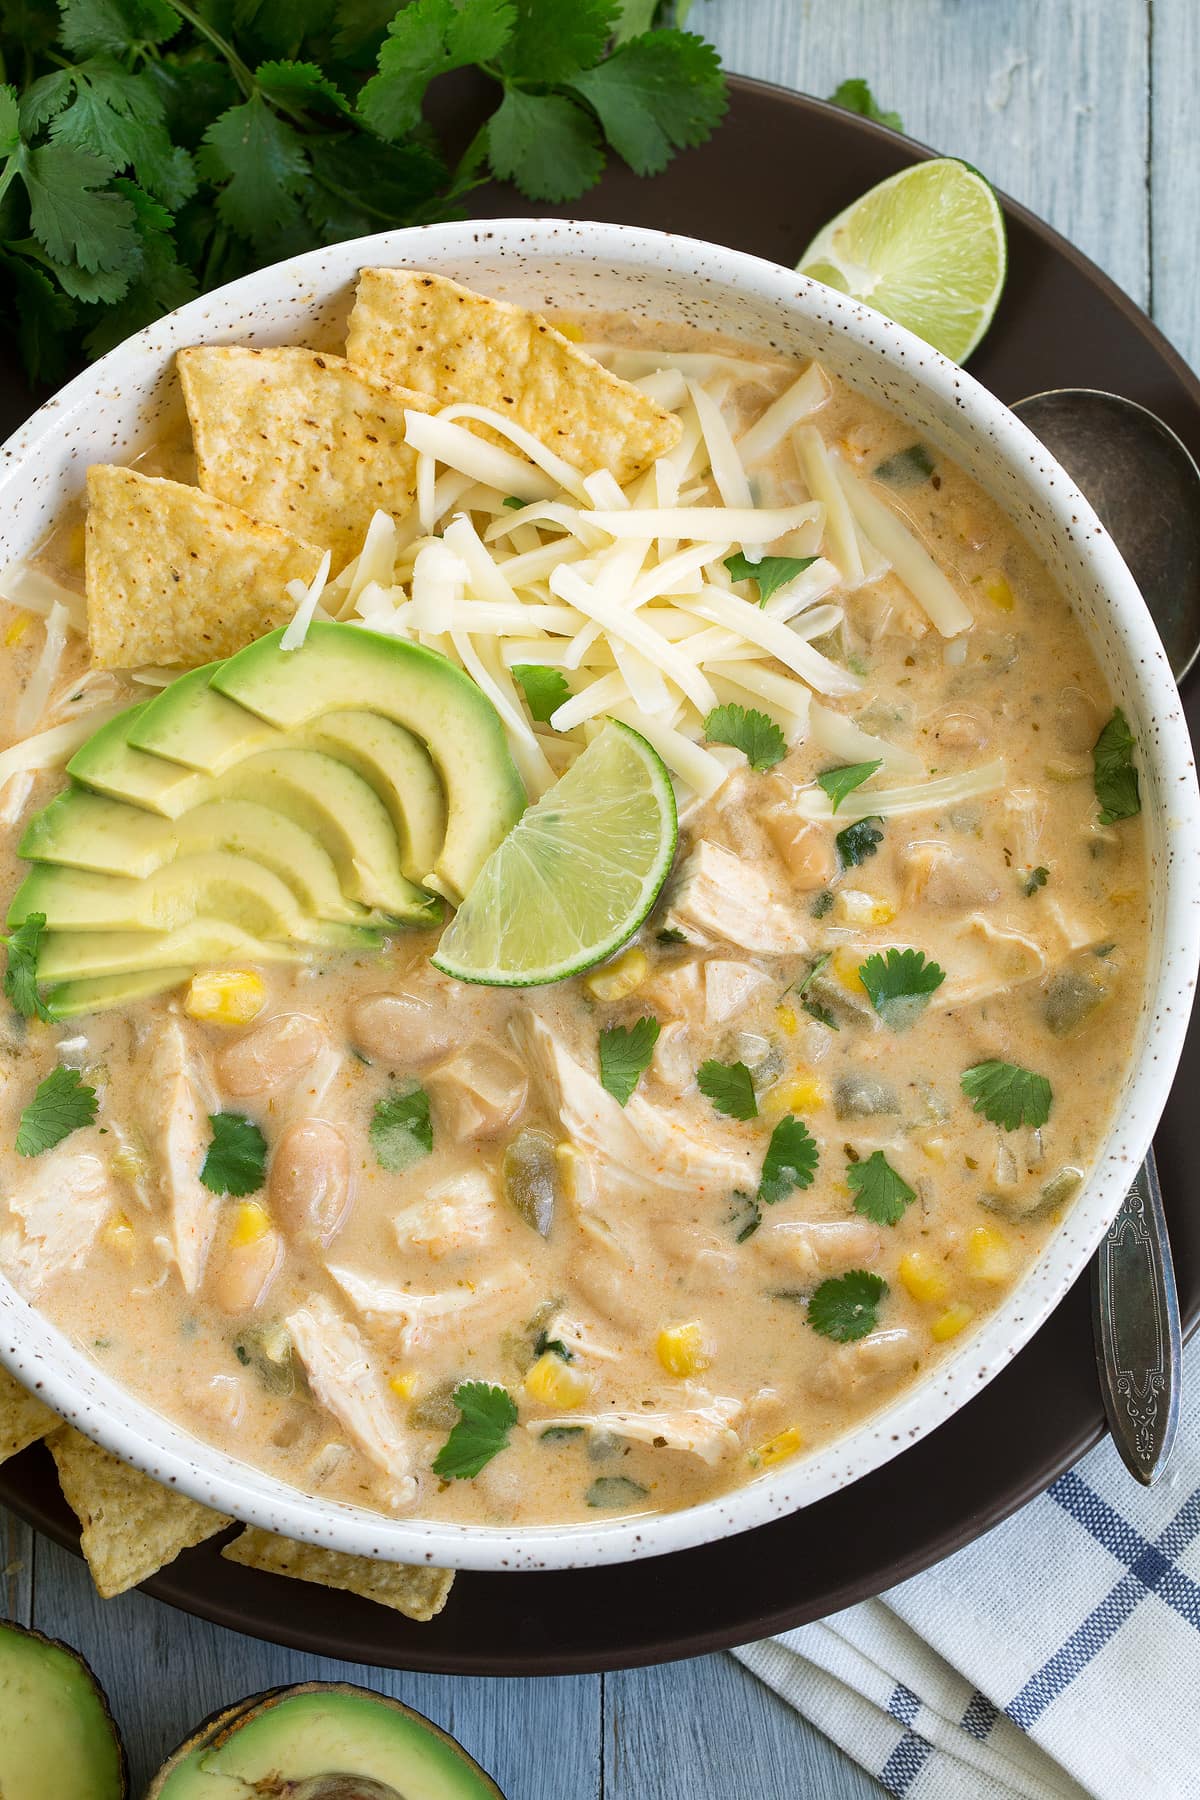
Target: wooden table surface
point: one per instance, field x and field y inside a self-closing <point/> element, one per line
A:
<point x="1086" y="111"/>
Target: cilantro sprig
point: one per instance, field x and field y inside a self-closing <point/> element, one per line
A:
<point x="899" y="984"/>
<point x="235" y="1162"/>
<point x="20" y="974"/>
<point x="855" y="96"/>
<point x="730" y="1087"/>
<point x="846" y="1307"/>
<point x="487" y="1414"/>
<point x="837" y="783"/>
<point x="858" y="841"/>
<point x="790" y="1162"/>
<point x="758" y="737"/>
<point x="153" y="151"/>
<point x="544" y="689"/>
<point x="625" y="1054"/>
<point x="1008" y="1095"/>
<point x="61" y="1104"/>
<point x="401" y="1130"/>
<point x="1115" y="775"/>
<point x="770" y="573"/>
<point x="879" y="1192"/>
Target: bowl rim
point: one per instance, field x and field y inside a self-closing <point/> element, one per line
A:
<point x="41" y="1356"/>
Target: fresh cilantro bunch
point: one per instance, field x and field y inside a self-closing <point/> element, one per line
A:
<point x="152" y="149"/>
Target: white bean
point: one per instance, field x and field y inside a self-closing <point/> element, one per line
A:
<point x="272" y="1052"/>
<point x="403" y="1029"/>
<point x="245" y="1272"/>
<point x="310" y="1187"/>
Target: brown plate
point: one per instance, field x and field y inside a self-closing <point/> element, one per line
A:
<point x="1061" y="323"/>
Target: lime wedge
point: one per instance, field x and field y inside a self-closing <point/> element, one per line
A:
<point x="575" y="876"/>
<point x="926" y="247"/>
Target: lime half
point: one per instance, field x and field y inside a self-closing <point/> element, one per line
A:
<point x="926" y="247"/>
<point x="575" y="876"/>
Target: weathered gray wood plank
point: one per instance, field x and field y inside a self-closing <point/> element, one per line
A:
<point x="709" y="1729"/>
<point x="164" y="1672"/>
<point x="17" y="1553"/>
<point x="1175" y="173"/>
<point x="1049" y="100"/>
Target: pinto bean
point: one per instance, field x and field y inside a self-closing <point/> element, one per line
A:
<point x="272" y="1052"/>
<point x="310" y="1184"/>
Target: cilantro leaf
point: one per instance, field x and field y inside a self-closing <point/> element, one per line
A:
<point x="548" y="1346"/>
<point x="70" y="213"/>
<point x="20" y="976"/>
<point x="802" y="987"/>
<point x="899" y="985"/>
<point x="730" y="1088"/>
<point x="790" y="1162"/>
<point x="656" y="94"/>
<point x="772" y="573"/>
<point x="299" y="83"/>
<point x="839" y="782"/>
<point x="858" y="841"/>
<point x="161" y="281"/>
<point x="635" y="17"/>
<point x="1036" y="879"/>
<point x="758" y="737"/>
<point x="546" y="144"/>
<point x="236" y="1160"/>
<point x="10" y="121"/>
<point x="625" y="1054"/>
<point x="880" y="1194"/>
<point x="671" y="934"/>
<point x="426" y="39"/>
<point x="94" y="27"/>
<point x="44" y="317"/>
<point x="401" y="1132"/>
<point x="907" y="468"/>
<point x="486" y="1416"/>
<point x="60" y="1105"/>
<point x="1114" y="775"/>
<point x="846" y="1307"/>
<point x="745" y="1215"/>
<point x="1008" y="1095"/>
<point x="544" y="689"/>
<point x="551" y="43"/>
<point x="261" y="162"/>
<point x="855" y="96"/>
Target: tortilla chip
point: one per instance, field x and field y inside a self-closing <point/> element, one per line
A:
<point x="23" y="1420"/>
<point x="424" y="332"/>
<point x="301" y="440"/>
<point x="175" y="577"/>
<point x="416" y="1591"/>
<point x="131" y="1526"/>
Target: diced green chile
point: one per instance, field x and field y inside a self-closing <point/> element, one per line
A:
<point x="436" y="1410"/>
<point x="862" y="1097"/>
<point x="1026" y="1202"/>
<point x="268" y="1350"/>
<point x="1064" y="1183"/>
<point x="531" y="1180"/>
<point x="1071" y="998"/>
<point x="615" y="1490"/>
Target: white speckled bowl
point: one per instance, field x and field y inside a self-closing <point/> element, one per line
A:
<point x="113" y="409"/>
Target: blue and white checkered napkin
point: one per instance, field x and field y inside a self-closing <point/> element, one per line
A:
<point x="1058" y="1656"/>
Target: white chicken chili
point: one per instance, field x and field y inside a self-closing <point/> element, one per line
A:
<point x="514" y="1253"/>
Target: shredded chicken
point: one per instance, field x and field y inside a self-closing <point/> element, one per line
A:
<point x="345" y="1382"/>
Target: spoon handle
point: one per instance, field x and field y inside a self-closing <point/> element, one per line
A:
<point x="1135" y="1315"/>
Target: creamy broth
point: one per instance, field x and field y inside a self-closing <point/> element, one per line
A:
<point x="1036" y="912"/>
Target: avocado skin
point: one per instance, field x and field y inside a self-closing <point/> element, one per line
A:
<point x="281" y="1741"/>
<point x="45" y="1676"/>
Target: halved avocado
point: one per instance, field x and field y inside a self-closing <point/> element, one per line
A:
<point x="57" y="1737"/>
<point x="70" y="998"/>
<point x="322" y="1741"/>
<point x="216" y="884"/>
<point x="340" y="668"/>
<point x="68" y="956"/>
<point x="109" y="764"/>
<point x="190" y="723"/>
<point x="398" y="767"/>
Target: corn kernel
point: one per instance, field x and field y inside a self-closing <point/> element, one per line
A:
<point x="988" y="1254"/>
<point x="776" y="1449"/>
<point x="556" y="1383"/>
<point x="250" y="1223"/>
<point x="934" y="1148"/>
<point x="404" y="1386"/>
<point x="951" y="1322"/>
<point x="225" y="997"/>
<point x="844" y="966"/>
<point x="787" y="1021"/>
<point x="17" y="629"/>
<point x="998" y="591"/>
<point x="617" y="980"/>
<point x="805" y="1094"/>
<point x="681" y="1349"/>
<point x="855" y="907"/>
<point x="120" y="1235"/>
<point x="924" y="1279"/>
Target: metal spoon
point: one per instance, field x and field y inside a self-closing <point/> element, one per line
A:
<point x="1146" y="488"/>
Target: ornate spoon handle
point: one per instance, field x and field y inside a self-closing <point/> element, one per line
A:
<point x="1135" y="1312"/>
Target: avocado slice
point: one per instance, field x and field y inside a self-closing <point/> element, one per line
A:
<point x="110" y="764"/>
<point x="322" y="1741"/>
<point x="59" y="1737"/>
<point x="399" y="768"/>
<point x="66" y="956"/>
<point x="71" y="998"/>
<point x="216" y="884"/>
<point x="340" y="668"/>
<point x="190" y="723"/>
<point x="83" y="830"/>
